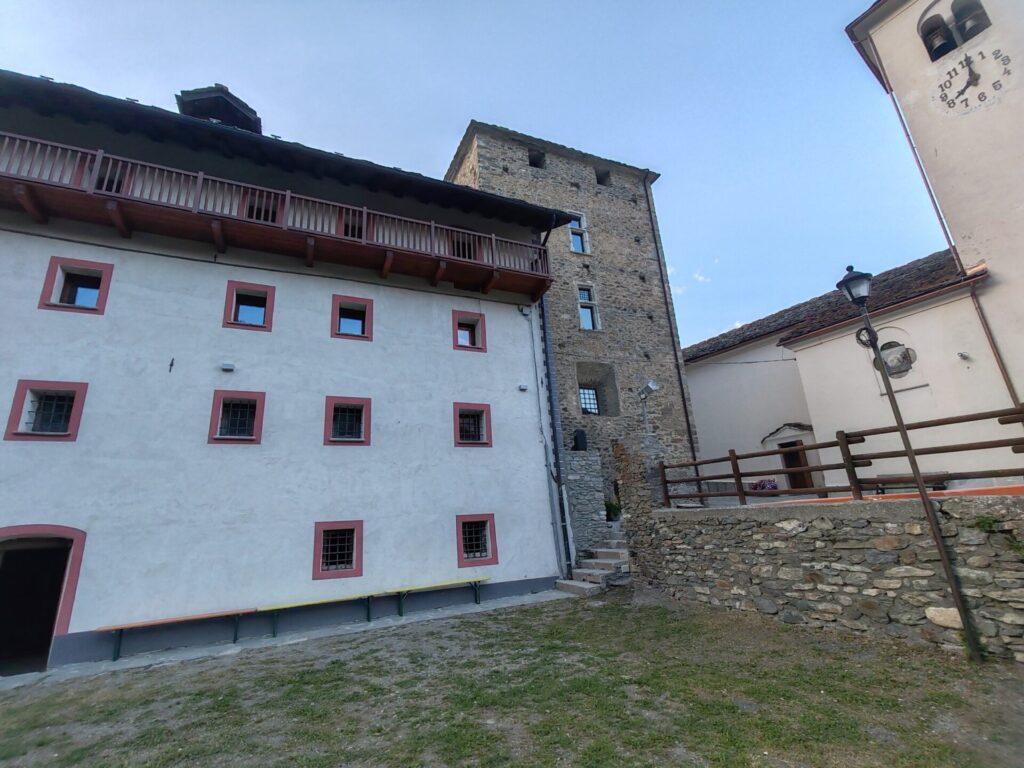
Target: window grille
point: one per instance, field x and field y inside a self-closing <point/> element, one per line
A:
<point x="347" y="423"/>
<point x="352" y="321"/>
<point x="250" y="309"/>
<point x="588" y="401"/>
<point x="338" y="550"/>
<point x="238" y="418"/>
<point x="475" y="545"/>
<point x="51" y="412"/>
<point x="588" y="309"/>
<point x="471" y="427"/>
<point x="80" y="290"/>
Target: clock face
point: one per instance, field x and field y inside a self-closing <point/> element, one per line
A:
<point x="975" y="80"/>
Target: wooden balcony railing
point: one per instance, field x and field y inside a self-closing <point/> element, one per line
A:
<point x="846" y="460"/>
<point x="97" y="173"/>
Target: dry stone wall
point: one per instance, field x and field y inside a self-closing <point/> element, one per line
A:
<point x="585" y="489"/>
<point x="869" y="567"/>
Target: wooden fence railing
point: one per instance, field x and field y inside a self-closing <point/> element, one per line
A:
<point x="849" y="461"/>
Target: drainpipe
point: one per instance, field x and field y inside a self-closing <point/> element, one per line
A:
<point x="671" y="322"/>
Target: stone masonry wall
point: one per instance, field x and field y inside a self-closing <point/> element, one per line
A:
<point x="636" y="335"/>
<point x="585" y="489"/>
<point x="867" y="567"/>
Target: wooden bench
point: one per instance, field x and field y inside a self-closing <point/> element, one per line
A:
<point x="275" y="610"/>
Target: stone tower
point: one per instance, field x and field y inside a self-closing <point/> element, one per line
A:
<point x="612" y="324"/>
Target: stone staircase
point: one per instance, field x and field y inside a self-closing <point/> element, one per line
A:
<point x="606" y="565"/>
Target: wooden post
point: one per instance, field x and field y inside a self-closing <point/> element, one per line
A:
<point x="287" y="208"/>
<point x="366" y="222"/>
<point x="851" y="470"/>
<point x="94" y="176"/>
<point x="198" y="193"/>
<point x="737" y="477"/>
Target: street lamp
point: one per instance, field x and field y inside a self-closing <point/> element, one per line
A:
<point x="856" y="286"/>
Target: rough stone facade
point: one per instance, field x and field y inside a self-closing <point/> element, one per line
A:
<point x="867" y="567"/>
<point x="585" y="489"/>
<point x="636" y="340"/>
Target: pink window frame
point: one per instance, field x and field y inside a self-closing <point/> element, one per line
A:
<point x="329" y="404"/>
<point x="337" y="301"/>
<point x="357" y="554"/>
<point x="488" y="432"/>
<point x="219" y="395"/>
<point x="71" y="572"/>
<point x="234" y="286"/>
<point x="21" y="391"/>
<point x="492" y="540"/>
<point x="56" y="267"/>
<point x="458" y="316"/>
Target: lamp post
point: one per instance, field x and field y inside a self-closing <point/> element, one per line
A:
<point x="856" y="286"/>
<point x="648" y="389"/>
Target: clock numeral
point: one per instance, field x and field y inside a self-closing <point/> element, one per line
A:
<point x="1006" y="71"/>
<point x="951" y="104"/>
<point x="997" y="85"/>
<point x="982" y="96"/>
<point x="947" y="85"/>
<point x="966" y="102"/>
<point x="982" y="55"/>
<point x="1005" y="61"/>
<point x="997" y="53"/>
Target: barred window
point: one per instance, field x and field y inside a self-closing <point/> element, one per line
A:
<point x="338" y="550"/>
<point x="588" y="308"/>
<point x="578" y="233"/>
<point x="50" y="412"/>
<point x="237" y="418"/>
<point x="475" y="544"/>
<point x="588" y="401"/>
<point x="347" y="423"/>
<point x="471" y="427"/>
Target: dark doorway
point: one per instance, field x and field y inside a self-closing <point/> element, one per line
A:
<point x="31" y="580"/>
<point x="795" y="460"/>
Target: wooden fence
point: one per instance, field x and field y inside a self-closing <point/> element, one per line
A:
<point x="849" y="462"/>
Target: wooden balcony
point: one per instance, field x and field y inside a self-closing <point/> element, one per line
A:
<point x="44" y="178"/>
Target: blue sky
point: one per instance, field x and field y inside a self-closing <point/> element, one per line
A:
<point x="781" y="157"/>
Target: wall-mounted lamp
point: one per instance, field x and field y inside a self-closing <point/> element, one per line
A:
<point x="227" y="367"/>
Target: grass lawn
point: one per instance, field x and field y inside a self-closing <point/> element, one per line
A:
<point x="625" y="680"/>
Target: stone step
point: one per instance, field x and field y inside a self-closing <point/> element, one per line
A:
<point x="594" y="575"/>
<point x="581" y="588"/>
<point x="615" y="544"/>
<point x="603" y="565"/>
<point x="611" y="554"/>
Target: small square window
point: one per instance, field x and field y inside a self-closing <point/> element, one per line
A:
<point x="347" y="421"/>
<point x="537" y="158"/>
<point x="477" y="542"/>
<point x="46" y="410"/>
<point x="352" y="318"/>
<point x="338" y="549"/>
<point x="588" y="401"/>
<point x="586" y="294"/>
<point x="578" y="233"/>
<point x="469" y="331"/>
<point x="587" y="320"/>
<point x="236" y="417"/>
<point x="577" y="242"/>
<point x="72" y="285"/>
<point x="604" y="178"/>
<point x="249" y="306"/>
<point x="472" y="424"/>
<point x="588" y="309"/>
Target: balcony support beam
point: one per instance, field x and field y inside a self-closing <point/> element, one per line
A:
<point x="27" y="200"/>
<point x="389" y="259"/>
<point x="117" y="218"/>
<point x="310" y="251"/>
<point x="218" y="236"/>
<point x="441" y="266"/>
<point x="491" y="282"/>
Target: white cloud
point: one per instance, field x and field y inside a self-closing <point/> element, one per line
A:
<point x="671" y="270"/>
<point x="678" y="290"/>
<point x="700" y="277"/>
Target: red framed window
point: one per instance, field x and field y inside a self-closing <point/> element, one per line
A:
<point x="469" y="331"/>
<point x="351" y="318"/>
<point x="347" y="421"/>
<point x="74" y="285"/>
<point x="472" y="425"/>
<point x="338" y="549"/>
<point x="237" y="417"/>
<point x="249" y="306"/>
<point x="476" y="539"/>
<point x="46" y="410"/>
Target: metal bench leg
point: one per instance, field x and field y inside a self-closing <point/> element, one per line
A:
<point x="476" y="592"/>
<point x="273" y="624"/>
<point x="401" y="603"/>
<point x="234" y="638"/>
<point x="369" y="608"/>
<point x="117" y="645"/>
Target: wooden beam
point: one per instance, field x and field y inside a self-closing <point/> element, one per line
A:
<point x="29" y="202"/>
<point x="491" y="281"/>
<point x="218" y="236"/>
<point x="389" y="259"/>
<point x="310" y="250"/>
<point x="117" y="217"/>
<point x="441" y="266"/>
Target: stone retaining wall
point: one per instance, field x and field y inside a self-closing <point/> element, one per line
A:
<point x="868" y="567"/>
<point x="584" y="486"/>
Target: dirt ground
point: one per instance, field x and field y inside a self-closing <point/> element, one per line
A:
<point x="628" y="679"/>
